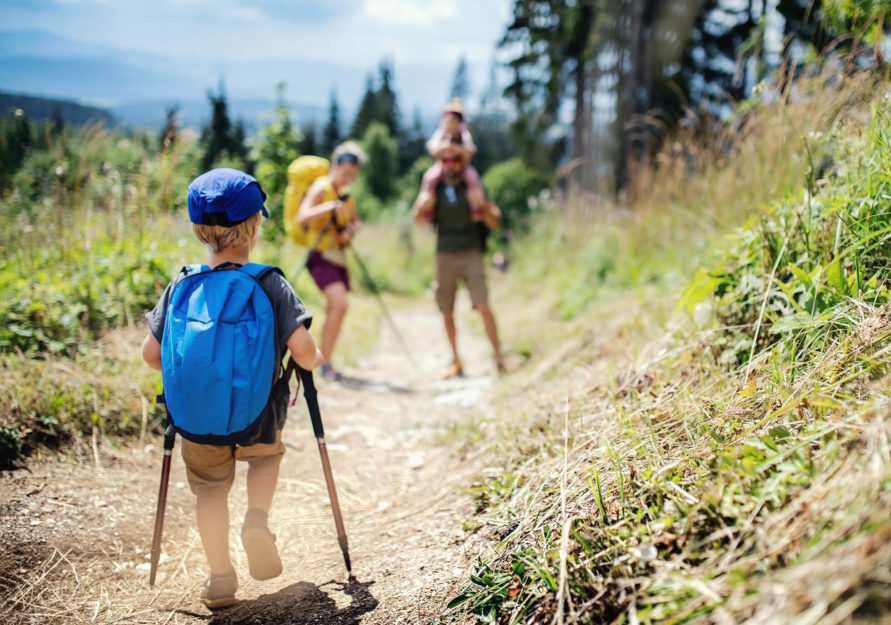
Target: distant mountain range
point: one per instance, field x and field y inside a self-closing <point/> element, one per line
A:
<point x="137" y="89"/>
<point x="150" y="113"/>
<point x="47" y="108"/>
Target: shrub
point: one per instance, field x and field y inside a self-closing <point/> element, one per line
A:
<point x="510" y="185"/>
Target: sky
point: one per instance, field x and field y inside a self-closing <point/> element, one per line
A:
<point x="236" y="39"/>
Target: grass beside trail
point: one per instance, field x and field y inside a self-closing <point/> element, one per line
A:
<point x="701" y="432"/>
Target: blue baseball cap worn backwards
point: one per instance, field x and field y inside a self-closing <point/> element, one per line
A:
<point x="224" y="197"/>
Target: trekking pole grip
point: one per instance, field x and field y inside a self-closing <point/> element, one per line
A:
<point x="312" y="401"/>
<point x="169" y="436"/>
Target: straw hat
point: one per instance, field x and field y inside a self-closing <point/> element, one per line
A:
<point x="454" y="106"/>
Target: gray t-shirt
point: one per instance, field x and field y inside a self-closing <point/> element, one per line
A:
<point x="290" y="314"/>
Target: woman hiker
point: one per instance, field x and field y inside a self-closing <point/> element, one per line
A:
<point x="330" y="213"/>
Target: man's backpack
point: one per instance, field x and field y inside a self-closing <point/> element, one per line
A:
<point x="218" y="353"/>
<point x="302" y="172"/>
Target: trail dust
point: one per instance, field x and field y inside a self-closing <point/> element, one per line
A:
<point x="77" y="528"/>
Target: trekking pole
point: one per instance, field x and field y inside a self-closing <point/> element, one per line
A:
<point x="315" y="416"/>
<point x="380" y="299"/>
<point x="169" y="437"/>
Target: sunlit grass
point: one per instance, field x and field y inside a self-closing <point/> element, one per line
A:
<point x="696" y="484"/>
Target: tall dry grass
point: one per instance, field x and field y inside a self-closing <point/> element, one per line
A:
<point x="641" y="477"/>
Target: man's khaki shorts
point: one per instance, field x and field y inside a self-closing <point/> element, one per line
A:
<point x="211" y="468"/>
<point x="467" y="265"/>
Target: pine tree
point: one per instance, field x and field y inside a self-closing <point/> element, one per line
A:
<point x="169" y="133"/>
<point x="553" y="43"/>
<point x="378" y="104"/>
<point x="331" y="136"/>
<point x="309" y="144"/>
<point x="460" y="80"/>
<point x="379" y="173"/>
<point x="386" y="107"/>
<point x="15" y="143"/>
<point x="412" y="143"/>
<point x="57" y="122"/>
<point x="221" y="137"/>
<point x="367" y="109"/>
<point x="237" y="146"/>
<point x="491" y="128"/>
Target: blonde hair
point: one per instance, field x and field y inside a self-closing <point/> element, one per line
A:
<point x="219" y="238"/>
<point x="349" y="147"/>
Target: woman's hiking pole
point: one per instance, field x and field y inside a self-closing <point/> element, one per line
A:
<point x="169" y="437"/>
<point x="315" y="416"/>
<point x="380" y="299"/>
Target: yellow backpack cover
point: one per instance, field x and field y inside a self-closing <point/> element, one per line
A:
<point x="302" y="172"/>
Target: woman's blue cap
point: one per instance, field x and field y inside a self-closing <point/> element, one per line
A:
<point x="224" y="197"/>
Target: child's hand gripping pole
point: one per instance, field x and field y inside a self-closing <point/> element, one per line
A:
<point x="315" y="416"/>
<point x="169" y="438"/>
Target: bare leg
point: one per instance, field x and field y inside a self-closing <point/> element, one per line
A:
<point x="261" y="481"/>
<point x="491" y="331"/>
<point x="213" y="526"/>
<point x="449" y="321"/>
<point x="335" y="310"/>
<point x="259" y="544"/>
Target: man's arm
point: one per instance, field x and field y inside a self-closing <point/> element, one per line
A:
<point x="422" y="211"/>
<point x="491" y="215"/>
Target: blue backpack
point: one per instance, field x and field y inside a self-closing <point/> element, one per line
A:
<point x="218" y="353"/>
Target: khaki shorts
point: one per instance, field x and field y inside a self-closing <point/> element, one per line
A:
<point x="468" y="265"/>
<point x="211" y="468"/>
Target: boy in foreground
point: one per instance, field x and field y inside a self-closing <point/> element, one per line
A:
<point x="225" y="206"/>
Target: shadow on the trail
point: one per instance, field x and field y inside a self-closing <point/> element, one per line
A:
<point x="360" y="384"/>
<point x="301" y="604"/>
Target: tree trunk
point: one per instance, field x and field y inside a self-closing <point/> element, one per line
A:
<point x="580" y="148"/>
<point x="629" y="77"/>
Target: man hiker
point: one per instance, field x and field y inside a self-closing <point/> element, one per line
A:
<point x="460" y="242"/>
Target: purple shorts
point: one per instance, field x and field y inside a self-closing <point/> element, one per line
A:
<point x="325" y="272"/>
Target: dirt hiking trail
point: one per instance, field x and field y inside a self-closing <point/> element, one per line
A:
<point x="77" y="528"/>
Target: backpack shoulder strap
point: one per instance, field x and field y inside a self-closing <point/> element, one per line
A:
<point x="194" y="268"/>
<point x="257" y="271"/>
<point x="327" y="185"/>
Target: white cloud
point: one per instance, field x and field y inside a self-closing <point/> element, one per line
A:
<point x="231" y="38"/>
<point x="410" y="12"/>
<point x="242" y="13"/>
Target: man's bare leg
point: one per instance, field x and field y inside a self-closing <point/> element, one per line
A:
<point x="452" y="335"/>
<point x="492" y="333"/>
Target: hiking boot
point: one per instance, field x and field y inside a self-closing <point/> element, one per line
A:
<point x="330" y="373"/>
<point x="454" y="370"/>
<point x="219" y="590"/>
<point x="259" y="545"/>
